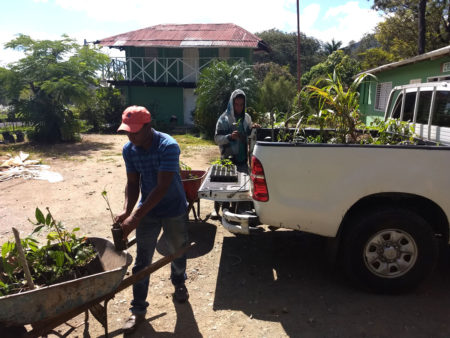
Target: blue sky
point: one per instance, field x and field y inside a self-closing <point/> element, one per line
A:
<point x="96" y="19"/>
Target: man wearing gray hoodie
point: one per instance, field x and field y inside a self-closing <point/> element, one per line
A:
<point x="232" y="130"/>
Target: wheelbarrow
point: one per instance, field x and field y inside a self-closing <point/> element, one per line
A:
<point x="48" y="307"/>
<point x="192" y="180"/>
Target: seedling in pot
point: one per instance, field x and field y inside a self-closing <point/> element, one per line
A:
<point x="119" y="242"/>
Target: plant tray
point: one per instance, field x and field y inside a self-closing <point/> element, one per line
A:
<point x="221" y="173"/>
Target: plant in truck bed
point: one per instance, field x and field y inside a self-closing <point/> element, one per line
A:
<point x="64" y="257"/>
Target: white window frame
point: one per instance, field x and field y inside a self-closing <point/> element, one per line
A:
<point x="381" y="95"/>
<point x="438" y="78"/>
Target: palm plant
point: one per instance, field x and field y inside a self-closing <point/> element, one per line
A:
<point x="339" y="104"/>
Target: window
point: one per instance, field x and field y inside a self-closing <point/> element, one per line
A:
<point x="408" y="111"/>
<point x="442" y="109"/>
<point x="423" y="110"/>
<point x="398" y="107"/>
<point x="382" y="95"/>
<point x="438" y="78"/>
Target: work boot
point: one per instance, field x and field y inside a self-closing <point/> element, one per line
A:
<point x="181" y="294"/>
<point x="133" y="322"/>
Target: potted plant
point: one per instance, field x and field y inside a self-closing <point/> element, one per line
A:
<point x="223" y="170"/>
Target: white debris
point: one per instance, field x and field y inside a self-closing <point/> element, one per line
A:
<point x="19" y="167"/>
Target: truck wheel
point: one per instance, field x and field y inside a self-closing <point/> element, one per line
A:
<point x="390" y="250"/>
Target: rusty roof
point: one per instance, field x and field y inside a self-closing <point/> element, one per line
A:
<point x="187" y="35"/>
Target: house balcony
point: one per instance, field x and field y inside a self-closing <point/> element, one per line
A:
<point x="156" y="71"/>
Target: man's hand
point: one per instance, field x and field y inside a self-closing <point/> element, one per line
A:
<point x="256" y="125"/>
<point x="129" y="224"/>
<point x="121" y="217"/>
<point x="235" y="135"/>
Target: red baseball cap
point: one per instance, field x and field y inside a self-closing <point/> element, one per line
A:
<point x="133" y="118"/>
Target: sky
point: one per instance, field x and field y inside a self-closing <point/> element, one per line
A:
<point x="341" y="20"/>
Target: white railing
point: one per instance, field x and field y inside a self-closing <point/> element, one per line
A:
<point x="157" y="70"/>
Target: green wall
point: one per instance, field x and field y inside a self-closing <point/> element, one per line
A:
<point x="162" y="102"/>
<point x="398" y="76"/>
<point x="242" y="53"/>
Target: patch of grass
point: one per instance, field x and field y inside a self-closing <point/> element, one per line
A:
<point x="186" y="141"/>
<point x="111" y="153"/>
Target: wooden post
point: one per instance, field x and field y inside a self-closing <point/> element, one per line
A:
<point x="23" y="260"/>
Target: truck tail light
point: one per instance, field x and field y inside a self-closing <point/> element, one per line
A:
<point x="259" y="186"/>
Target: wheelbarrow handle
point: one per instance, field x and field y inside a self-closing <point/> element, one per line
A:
<point x="152" y="268"/>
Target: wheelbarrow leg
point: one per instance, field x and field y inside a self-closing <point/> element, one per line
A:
<point x="101" y="314"/>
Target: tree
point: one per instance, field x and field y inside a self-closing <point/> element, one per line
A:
<point x="413" y="26"/>
<point x="284" y="50"/>
<point x="332" y="46"/>
<point x="52" y="77"/>
<point x="344" y="65"/>
<point x="278" y="89"/>
<point x="103" y="111"/>
<point x="214" y="88"/>
<point x="9" y="86"/>
<point x="375" y="57"/>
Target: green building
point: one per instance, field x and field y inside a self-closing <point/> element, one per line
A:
<point x="162" y="64"/>
<point x="429" y="67"/>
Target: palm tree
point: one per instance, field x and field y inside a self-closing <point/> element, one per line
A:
<point x="332" y="46"/>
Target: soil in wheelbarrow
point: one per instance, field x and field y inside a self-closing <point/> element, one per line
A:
<point x="271" y="284"/>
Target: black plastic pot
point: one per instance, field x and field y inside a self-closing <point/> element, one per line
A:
<point x="8" y="137"/>
<point x="20" y="136"/>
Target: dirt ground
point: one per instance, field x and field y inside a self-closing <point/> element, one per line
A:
<point x="270" y="284"/>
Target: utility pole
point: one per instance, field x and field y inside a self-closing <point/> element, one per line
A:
<point x="299" y="86"/>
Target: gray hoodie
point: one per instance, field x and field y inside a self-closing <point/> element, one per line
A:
<point x="225" y="126"/>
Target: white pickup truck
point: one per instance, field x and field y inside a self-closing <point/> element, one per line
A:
<point x="387" y="208"/>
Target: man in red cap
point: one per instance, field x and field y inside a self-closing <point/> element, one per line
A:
<point x="152" y="166"/>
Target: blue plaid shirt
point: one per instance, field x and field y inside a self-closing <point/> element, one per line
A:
<point x="163" y="155"/>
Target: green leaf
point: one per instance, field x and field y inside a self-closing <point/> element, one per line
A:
<point x="37" y="229"/>
<point x="39" y="216"/>
<point x="68" y="258"/>
<point x="52" y="236"/>
<point x="58" y="257"/>
<point x="48" y="219"/>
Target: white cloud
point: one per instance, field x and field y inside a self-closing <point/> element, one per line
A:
<point x="350" y="22"/>
<point x="253" y="15"/>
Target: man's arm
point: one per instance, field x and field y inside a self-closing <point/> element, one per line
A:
<point x="222" y="135"/>
<point x="153" y="198"/>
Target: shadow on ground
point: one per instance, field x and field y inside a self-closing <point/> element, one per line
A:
<point x="202" y="233"/>
<point x="186" y="325"/>
<point x="284" y="276"/>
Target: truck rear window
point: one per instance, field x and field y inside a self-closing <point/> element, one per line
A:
<point x="423" y="110"/>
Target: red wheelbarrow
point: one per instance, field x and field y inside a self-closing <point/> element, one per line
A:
<point x="192" y="180"/>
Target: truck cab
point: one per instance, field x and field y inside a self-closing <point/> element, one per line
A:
<point x="427" y="105"/>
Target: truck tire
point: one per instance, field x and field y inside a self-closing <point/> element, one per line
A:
<point x="390" y="250"/>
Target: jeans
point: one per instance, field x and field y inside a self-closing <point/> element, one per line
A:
<point x="147" y="232"/>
